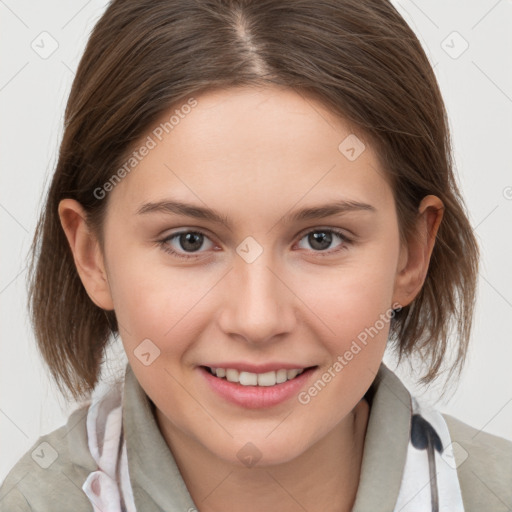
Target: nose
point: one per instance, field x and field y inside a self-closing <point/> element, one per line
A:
<point x="260" y="305"/>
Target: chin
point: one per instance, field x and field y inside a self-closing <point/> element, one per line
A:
<point x="260" y="451"/>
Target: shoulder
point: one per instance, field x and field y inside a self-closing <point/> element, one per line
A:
<point x="484" y="466"/>
<point x="50" y="475"/>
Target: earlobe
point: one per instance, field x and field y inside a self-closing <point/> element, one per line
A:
<point x="415" y="256"/>
<point x="88" y="258"/>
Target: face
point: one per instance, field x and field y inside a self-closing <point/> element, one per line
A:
<point x="265" y="289"/>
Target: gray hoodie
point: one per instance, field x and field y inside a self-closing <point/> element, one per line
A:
<point x="485" y="476"/>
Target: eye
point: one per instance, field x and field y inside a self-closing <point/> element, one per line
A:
<point x="184" y="244"/>
<point x="184" y="240"/>
<point x="320" y="239"/>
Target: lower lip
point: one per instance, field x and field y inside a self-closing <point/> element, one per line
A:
<point x="256" y="397"/>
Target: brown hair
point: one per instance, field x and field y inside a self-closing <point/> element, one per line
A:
<point x="359" y="58"/>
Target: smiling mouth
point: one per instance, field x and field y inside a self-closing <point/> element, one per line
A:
<point x="266" y="379"/>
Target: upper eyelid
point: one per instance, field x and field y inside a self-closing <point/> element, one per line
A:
<point x="338" y="231"/>
<point x="205" y="231"/>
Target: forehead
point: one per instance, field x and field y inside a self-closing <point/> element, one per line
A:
<point x="255" y="146"/>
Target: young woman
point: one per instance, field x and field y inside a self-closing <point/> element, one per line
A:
<point x="257" y="197"/>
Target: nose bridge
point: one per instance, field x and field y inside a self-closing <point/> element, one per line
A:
<point x="259" y="305"/>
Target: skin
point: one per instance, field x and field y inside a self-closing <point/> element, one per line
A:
<point x="254" y="155"/>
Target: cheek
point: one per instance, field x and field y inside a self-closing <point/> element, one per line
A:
<point x="357" y="308"/>
<point x="356" y="296"/>
<point x="156" y="301"/>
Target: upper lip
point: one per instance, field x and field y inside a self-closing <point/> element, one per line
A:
<point x="256" y="368"/>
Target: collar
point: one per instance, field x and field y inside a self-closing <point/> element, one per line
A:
<point x="385" y="444"/>
<point x="158" y="485"/>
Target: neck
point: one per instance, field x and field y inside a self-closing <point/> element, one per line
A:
<point x="323" y="478"/>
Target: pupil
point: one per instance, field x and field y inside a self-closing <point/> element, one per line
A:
<point x="187" y="241"/>
<point x="319" y="237"/>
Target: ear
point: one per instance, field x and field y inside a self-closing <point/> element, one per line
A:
<point x="86" y="251"/>
<point x="415" y="255"/>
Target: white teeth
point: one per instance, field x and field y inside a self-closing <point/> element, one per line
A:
<point x="248" y="379"/>
<point x="232" y="375"/>
<point x="281" y="376"/>
<point x="267" y="379"/>
<point x="292" y="374"/>
<point x="257" y="379"/>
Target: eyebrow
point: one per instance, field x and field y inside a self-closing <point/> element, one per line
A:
<point x="198" y="212"/>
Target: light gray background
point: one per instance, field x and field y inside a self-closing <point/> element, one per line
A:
<point x="477" y="87"/>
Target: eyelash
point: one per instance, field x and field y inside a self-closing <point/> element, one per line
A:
<point x="164" y="243"/>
